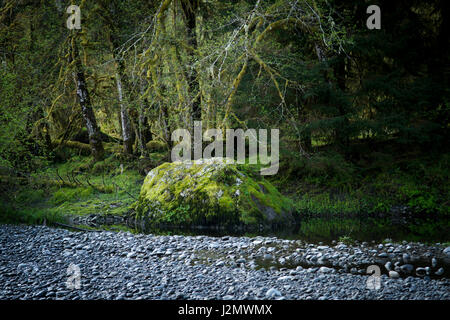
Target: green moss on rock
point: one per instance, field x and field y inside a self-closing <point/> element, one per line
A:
<point x="210" y="192"/>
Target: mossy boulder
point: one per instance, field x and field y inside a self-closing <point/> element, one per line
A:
<point x="211" y="192"/>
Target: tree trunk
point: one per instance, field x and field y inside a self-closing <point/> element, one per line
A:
<point x="340" y="74"/>
<point x="189" y="9"/>
<point x="145" y="129"/>
<point x="86" y="108"/>
<point x="122" y="86"/>
<point x="144" y="133"/>
<point x="125" y="122"/>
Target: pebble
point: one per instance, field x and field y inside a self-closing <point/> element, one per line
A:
<point x="326" y="270"/>
<point x="446" y="252"/>
<point x="434" y="262"/>
<point x="407" y="268"/>
<point x="273" y="293"/>
<point x="268" y="256"/>
<point x="406" y="257"/>
<point x="394" y="274"/>
<point x="284" y="278"/>
<point x="220" y="264"/>
<point x="421" y="272"/>
<point x="388" y="266"/>
<point x="439" y="272"/>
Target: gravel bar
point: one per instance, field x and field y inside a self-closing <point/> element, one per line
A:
<point x="38" y="262"/>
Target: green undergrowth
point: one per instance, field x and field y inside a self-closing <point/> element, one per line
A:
<point x="327" y="183"/>
<point x="106" y="187"/>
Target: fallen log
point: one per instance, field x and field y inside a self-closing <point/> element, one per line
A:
<point x="83" y="147"/>
<point x="73" y="227"/>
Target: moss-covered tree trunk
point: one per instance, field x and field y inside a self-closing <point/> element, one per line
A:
<point x="144" y="132"/>
<point x="127" y="131"/>
<point x="95" y="140"/>
<point x="122" y="85"/>
<point x="112" y="19"/>
<point x="190" y="8"/>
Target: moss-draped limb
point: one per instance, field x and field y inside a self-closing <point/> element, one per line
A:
<point x="282" y="23"/>
<point x="179" y="76"/>
<point x="255" y="23"/>
<point x="155" y="81"/>
<point x="271" y="72"/>
<point x="165" y="4"/>
<point x="236" y="83"/>
<point x="72" y="144"/>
